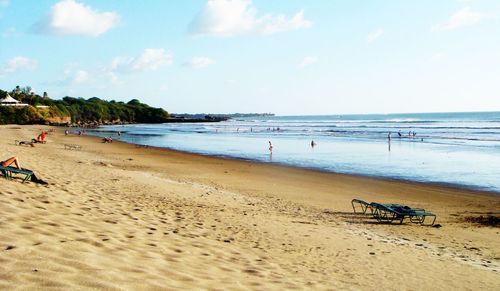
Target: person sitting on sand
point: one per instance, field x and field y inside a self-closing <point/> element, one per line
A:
<point x="14" y="160"/>
<point x="41" y="137"/>
<point x="11" y="161"/>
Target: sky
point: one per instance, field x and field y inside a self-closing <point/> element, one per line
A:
<point x="289" y="57"/>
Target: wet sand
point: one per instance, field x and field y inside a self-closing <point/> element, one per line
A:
<point x="118" y="216"/>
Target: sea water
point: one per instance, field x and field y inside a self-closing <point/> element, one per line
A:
<point x="462" y="149"/>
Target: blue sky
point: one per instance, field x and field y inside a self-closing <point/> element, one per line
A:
<point x="284" y="56"/>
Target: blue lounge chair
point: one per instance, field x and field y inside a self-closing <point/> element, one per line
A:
<point x="363" y="205"/>
<point x="390" y="212"/>
<point x="9" y="171"/>
<point x="398" y="212"/>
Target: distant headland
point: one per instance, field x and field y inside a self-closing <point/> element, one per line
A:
<point x="208" y="117"/>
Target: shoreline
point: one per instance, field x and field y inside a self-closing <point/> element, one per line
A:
<point x="452" y="186"/>
<point x="122" y="216"/>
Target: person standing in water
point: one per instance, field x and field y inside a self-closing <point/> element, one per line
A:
<point x="270" y="151"/>
<point x="313" y="144"/>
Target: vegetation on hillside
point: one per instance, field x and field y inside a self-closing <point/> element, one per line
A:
<point x="80" y="110"/>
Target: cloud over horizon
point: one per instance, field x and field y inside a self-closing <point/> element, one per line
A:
<point x="374" y="35"/>
<point x="463" y="17"/>
<point x="151" y="59"/>
<point x="307" y="61"/>
<point x="200" y="62"/>
<point x="69" y="17"/>
<point x="17" y="64"/>
<point x="71" y="76"/>
<point x="225" y="18"/>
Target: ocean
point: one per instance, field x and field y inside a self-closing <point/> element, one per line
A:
<point x="460" y="149"/>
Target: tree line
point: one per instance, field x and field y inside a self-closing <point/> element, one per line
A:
<point x="79" y="110"/>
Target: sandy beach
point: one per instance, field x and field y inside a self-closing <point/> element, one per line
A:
<point x="121" y="217"/>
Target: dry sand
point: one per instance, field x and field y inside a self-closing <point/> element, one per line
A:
<point x="117" y="216"/>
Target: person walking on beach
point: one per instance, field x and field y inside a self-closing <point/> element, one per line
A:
<point x="270" y="147"/>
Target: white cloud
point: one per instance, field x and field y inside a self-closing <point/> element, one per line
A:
<point x="113" y="78"/>
<point x="464" y="17"/>
<point x="374" y="35"/>
<point x="437" y="57"/>
<point x="81" y="76"/>
<point x="307" y="61"/>
<point x="280" y="23"/>
<point x="200" y="62"/>
<point x="164" y="87"/>
<point x="10" y="32"/>
<point x="149" y="60"/>
<point x="225" y="18"/>
<point x="69" y="17"/>
<point x="17" y="64"/>
<point x="71" y="76"/>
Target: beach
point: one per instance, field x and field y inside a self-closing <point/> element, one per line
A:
<point x="119" y="216"/>
<point x="458" y="149"/>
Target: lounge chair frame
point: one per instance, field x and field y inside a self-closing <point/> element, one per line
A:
<point x="361" y="204"/>
<point x="72" y="147"/>
<point x="390" y="212"/>
<point x="9" y="171"/>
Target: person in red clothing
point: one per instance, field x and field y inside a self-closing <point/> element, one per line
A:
<point x="41" y="137"/>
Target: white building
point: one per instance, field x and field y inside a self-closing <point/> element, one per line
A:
<point x="9" y="101"/>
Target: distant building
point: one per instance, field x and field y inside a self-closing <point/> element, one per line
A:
<point x="9" y="101"/>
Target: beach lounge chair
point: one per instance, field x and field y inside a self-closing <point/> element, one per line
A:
<point x="9" y="171"/>
<point x="72" y="147"/>
<point x="363" y="205"/>
<point x="385" y="213"/>
<point x="398" y="212"/>
<point x="390" y="212"/>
